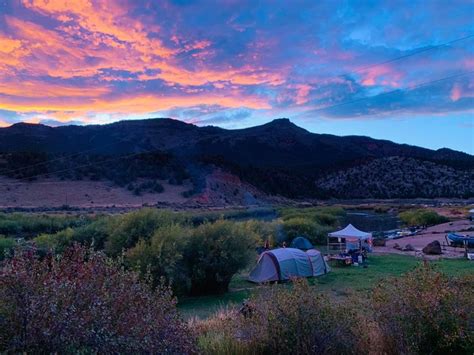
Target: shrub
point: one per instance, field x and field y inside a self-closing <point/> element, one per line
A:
<point x="128" y="229"/>
<point x="162" y="255"/>
<point x="95" y="233"/>
<point x="217" y="251"/>
<point x="425" y="312"/>
<point x="286" y="321"/>
<point x="6" y="246"/>
<point x="421" y="217"/>
<point x="271" y="231"/>
<point x="323" y="215"/>
<point x="28" y="225"/>
<point x="82" y="302"/>
<point x="57" y="242"/>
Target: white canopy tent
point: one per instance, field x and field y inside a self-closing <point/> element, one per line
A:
<point x="351" y="232"/>
<point x="353" y="237"/>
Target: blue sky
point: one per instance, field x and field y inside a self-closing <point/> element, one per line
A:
<point x="398" y="70"/>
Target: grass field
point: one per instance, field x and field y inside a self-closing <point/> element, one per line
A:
<point x="340" y="282"/>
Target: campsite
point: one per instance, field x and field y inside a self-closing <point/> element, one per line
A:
<point x="221" y="265"/>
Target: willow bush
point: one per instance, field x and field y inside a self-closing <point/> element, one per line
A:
<point x="84" y="302"/>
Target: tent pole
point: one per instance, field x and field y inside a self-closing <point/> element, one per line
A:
<point x="327" y="240"/>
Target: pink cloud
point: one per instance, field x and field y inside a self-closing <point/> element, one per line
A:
<point x="455" y="92"/>
<point x="381" y="75"/>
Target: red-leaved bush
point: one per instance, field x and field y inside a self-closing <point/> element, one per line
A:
<point x="84" y="302"/>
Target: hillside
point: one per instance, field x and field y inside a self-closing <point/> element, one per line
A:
<point x="277" y="158"/>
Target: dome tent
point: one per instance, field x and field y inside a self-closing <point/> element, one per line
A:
<point x="301" y="243"/>
<point x="283" y="263"/>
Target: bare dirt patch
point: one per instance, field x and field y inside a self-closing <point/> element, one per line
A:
<point x="428" y="235"/>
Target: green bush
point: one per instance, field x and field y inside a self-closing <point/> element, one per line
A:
<point x="6" y="246"/>
<point x="421" y="217"/>
<point x="10" y="227"/>
<point x="308" y="228"/>
<point x="95" y="233"/>
<point x="215" y="252"/>
<point x="271" y="231"/>
<point x="162" y="256"/>
<point x="328" y="216"/>
<point x="128" y="229"/>
<point x="424" y="312"/>
<point x="30" y="225"/>
<point x="57" y="242"/>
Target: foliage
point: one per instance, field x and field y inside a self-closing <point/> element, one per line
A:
<point x="425" y="312"/>
<point x="94" y="233"/>
<point x="162" y="255"/>
<point x="57" y="242"/>
<point x="399" y="177"/>
<point x="284" y="321"/>
<point x="215" y="253"/>
<point x="128" y="229"/>
<point x="301" y="226"/>
<point x="148" y="166"/>
<point x="323" y="215"/>
<point x="6" y="246"/>
<point x="30" y="225"/>
<point x="84" y="302"/>
<point x="421" y="217"/>
<point x="271" y="231"/>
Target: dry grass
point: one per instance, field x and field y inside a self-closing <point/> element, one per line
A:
<point x="84" y="194"/>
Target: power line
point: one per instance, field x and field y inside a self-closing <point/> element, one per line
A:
<point x="431" y="82"/>
<point x="422" y="50"/>
<point x="83" y="166"/>
<point x="410" y="88"/>
<point x="62" y="157"/>
<point x="425" y="49"/>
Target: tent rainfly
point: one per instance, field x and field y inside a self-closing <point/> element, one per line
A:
<point x="353" y="237"/>
<point x="301" y="243"/>
<point x="283" y="263"/>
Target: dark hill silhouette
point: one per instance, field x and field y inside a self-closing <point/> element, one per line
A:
<point x="278" y="157"/>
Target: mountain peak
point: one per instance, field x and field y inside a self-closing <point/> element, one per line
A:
<point x="281" y="122"/>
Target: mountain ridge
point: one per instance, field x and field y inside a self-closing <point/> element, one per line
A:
<point x="279" y="157"/>
<point x="280" y="123"/>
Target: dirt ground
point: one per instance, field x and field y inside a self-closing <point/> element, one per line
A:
<point x="428" y="235"/>
<point x="85" y="194"/>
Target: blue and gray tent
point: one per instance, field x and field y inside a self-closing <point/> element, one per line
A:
<point x="284" y="263"/>
<point x="301" y="243"/>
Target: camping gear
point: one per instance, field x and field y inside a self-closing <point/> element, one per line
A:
<point x="460" y="240"/>
<point x="301" y="243"/>
<point x="283" y="263"/>
<point x="354" y="238"/>
<point x="342" y="259"/>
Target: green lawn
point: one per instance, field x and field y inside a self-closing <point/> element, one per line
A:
<point x="340" y="282"/>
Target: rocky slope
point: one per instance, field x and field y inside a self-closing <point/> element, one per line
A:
<point x="278" y="158"/>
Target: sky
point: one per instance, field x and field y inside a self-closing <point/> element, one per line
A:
<point x="397" y="70"/>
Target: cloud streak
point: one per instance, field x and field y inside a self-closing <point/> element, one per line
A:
<point x="83" y="60"/>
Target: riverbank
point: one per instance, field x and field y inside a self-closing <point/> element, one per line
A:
<point x="428" y="235"/>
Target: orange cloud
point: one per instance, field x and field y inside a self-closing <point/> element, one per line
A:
<point x="105" y="17"/>
<point x="93" y="40"/>
<point x="4" y="124"/>
<point x="244" y="76"/>
<point x="145" y="103"/>
<point x="40" y="89"/>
